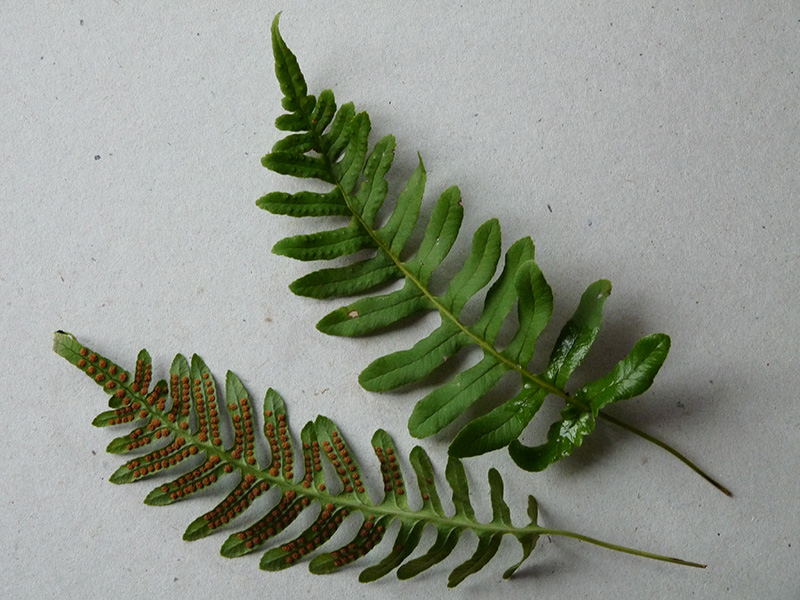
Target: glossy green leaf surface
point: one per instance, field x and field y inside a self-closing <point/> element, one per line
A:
<point x="333" y="147"/>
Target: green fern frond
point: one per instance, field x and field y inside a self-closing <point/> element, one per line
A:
<point x="205" y="440"/>
<point x="331" y="145"/>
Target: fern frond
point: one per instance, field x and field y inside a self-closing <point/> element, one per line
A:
<point x="206" y="440"/>
<point x="331" y="145"/>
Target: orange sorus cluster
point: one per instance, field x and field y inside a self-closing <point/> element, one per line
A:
<point x="280" y="445"/>
<point x="343" y="463"/>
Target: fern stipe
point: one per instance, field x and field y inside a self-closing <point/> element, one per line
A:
<point x="332" y="146"/>
<point x="206" y="440"/>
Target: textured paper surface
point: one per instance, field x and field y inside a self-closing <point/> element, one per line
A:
<point x="655" y="145"/>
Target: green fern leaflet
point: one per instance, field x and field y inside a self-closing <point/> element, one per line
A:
<point x="331" y="145"/>
<point x="184" y="427"/>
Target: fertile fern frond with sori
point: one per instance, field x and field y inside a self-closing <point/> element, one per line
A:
<point x="331" y="145"/>
<point x="185" y="428"/>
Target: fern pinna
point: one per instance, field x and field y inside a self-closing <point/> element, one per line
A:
<point x="331" y="145"/>
<point x="185" y="428"/>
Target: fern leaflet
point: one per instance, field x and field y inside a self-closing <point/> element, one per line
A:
<point x="331" y="145"/>
<point x="186" y="428"/>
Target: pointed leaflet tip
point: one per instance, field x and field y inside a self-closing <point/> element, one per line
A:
<point x="290" y="78"/>
<point x="275" y="28"/>
<point x="578" y="334"/>
<point x="61" y="340"/>
<point x="632" y="376"/>
<point x="527" y="541"/>
<point x="67" y="346"/>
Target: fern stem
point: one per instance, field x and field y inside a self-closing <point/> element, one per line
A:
<point x="661" y="444"/>
<point x="653" y="440"/>
<point x="624" y="549"/>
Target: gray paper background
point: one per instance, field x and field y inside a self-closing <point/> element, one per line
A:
<point x="654" y="144"/>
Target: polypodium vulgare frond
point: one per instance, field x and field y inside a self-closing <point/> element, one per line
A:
<point x="332" y="146"/>
<point x="186" y="428"/>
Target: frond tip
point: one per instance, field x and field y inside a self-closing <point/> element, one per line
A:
<point x="184" y="427"/>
